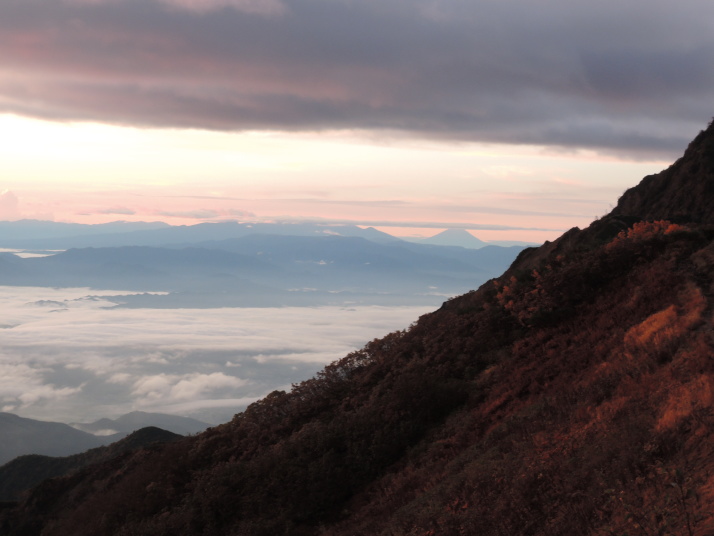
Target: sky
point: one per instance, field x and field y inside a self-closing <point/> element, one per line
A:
<point x="68" y="355"/>
<point x="515" y="120"/>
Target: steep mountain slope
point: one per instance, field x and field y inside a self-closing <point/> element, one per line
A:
<point x="681" y="193"/>
<point x="25" y="472"/>
<point x="572" y="396"/>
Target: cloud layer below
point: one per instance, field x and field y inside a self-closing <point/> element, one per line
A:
<point x="67" y="356"/>
<point x="634" y="77"/>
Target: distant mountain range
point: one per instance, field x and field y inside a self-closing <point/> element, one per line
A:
<point x="115" y="429"/>
<point x="22" y="233"/>
<point x="463" y="238"/>
<point x="21" y="436"/>
<point x="29" y="234"/>
<point x="232" y="264"/>
<point x="36" y="234"/>
<point x="452" y="237"/>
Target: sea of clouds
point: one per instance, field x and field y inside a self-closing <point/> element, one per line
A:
<point x="71" y="355"/>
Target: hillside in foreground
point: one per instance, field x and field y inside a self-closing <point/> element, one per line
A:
<point x="571" y="396"/>
<point x="24" y="472"/>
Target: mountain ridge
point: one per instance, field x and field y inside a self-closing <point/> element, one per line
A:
<point x="130" y="422"/>
<point x="266" y="270"/>
<point x="574" y="394"/>
<point x="29" y="234"/>
<point x="452" y="237"/>
<point x="673" y="194"/>
<point x="681" y="193"/>
<point x="20" y="436"/>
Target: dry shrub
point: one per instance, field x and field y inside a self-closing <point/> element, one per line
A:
<point x="607" y="411"/>
<point x="654" y="330"/>
<point x="602" y="382"/>
<point x="682" y="402"/>
<point x="644" y="231"/>
<point x="693" y="305"/>
<point x="659" y="334"/>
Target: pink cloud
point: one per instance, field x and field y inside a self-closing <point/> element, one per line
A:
<point x="205" y="214"/>
<point x="118" y="210"/>
<point x="198" y="214"/>
<point x="9" y="206"/>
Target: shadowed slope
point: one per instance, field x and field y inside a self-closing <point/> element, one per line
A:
<point x="682" y="193"/>
<point x="25" y="472"/>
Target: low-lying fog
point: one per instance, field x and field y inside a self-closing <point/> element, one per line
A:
<point x="67" y="355"/>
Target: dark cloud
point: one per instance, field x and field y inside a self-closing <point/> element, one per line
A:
<point x="634" y="77"/>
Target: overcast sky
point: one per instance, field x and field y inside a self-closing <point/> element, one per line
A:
<point x="528" y="115"/>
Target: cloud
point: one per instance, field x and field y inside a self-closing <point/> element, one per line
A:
<point x="46" y="392"/>
<point x="22" y="386"/>
<point x="68" y="356"/>
<point x="206" y="214"/>
<point x="220" y="404"/>
<point x="424" y="224"/>
<point x="634" y="78"/>
<point x="9" y="206"/>
<point x="118" y="210"/>
<point x="238" y="213"/>
<point x="198" y="214"/>
<point x="452" y="208"/>
<point x="173" y="388"/>
<point x="262" y="7"/>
